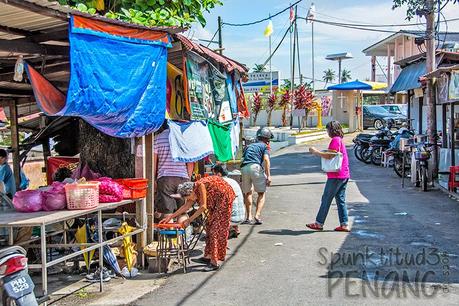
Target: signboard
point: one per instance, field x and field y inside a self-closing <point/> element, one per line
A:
<point x="258" y="81"/>
<point x="453" y="92"/>
<point x="175" y="106"/>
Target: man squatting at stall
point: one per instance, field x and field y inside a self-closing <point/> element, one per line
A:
<point x="256" y="174"/>
<point x="170" y="174"/>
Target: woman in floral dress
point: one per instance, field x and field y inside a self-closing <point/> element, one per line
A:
<point x="214" y="196"/>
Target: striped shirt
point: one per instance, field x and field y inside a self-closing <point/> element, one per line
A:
<point x="166" y="165"/>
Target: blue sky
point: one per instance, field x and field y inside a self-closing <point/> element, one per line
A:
<point x="249" y="46"/>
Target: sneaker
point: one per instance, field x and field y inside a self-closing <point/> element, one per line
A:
<point x="95" y="277"/>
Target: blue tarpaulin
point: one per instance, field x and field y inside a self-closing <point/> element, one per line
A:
<point x="409" y="77"/>
<point x="118" y="77"/>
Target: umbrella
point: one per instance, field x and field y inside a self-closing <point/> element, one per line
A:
<point x="358" y="85"/>
<point x="128" y="246"/>
<point x="109" y="257"/>
<point x="81" y="236"/>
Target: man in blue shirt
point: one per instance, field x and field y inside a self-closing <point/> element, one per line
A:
<point x="6" y="174"/>
<point x="256" y="174"/>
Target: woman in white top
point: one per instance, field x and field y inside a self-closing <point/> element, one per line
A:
<point x="238" y="208"/>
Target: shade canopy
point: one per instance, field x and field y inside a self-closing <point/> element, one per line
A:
<point x="409" y="77"/>
<point x="358" y="85"/>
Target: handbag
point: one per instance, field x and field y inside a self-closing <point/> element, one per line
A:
<point x="334" y="164"/>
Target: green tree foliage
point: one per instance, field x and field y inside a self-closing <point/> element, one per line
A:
<point x="149" y="12"/>
<point x="259" y="68"/>
<point x="413" y="5"/>
<point x="329" y="76"/>
<point x="345" y="76"/>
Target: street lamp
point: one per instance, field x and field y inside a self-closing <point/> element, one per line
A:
<point x="310" y="18"/>
<point x="339" y="57"/>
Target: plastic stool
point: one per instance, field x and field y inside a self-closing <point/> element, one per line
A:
<point x="452" y="183"/>
<point x="172" y="245"/>
<point x="387" y="157"/>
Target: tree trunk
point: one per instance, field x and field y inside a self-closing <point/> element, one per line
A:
<point x="104" y="154"/>
<point x="255" y="115"/>
<point x="284" y="116"/>
<point x="268" y="122"/>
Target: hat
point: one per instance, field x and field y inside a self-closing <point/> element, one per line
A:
<point x="183" y="190"/>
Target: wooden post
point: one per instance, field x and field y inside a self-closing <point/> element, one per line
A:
<point x="444" y="142"/>
<point x="373" y="68"/>
<point x="420" y="114"/>
<point x="45" y="144"/>
<point x="410" y="94"/>
<point x="15" y="143"/>
<point x="149" y="175"/>
<point x="453" y="140"/>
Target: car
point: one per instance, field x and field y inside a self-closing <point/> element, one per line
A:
<point x="398" y="109"/>
<point x="377" y="116"/>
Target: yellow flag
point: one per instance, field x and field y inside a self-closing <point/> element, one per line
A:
<point x="269" y="29"/>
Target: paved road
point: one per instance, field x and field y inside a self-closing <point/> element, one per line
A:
<point x="282" y="263"/>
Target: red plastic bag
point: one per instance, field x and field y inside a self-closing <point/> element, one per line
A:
<point x="109" y="191"/>
<point x="54" y="198"/>
<point x="28" y="201"/>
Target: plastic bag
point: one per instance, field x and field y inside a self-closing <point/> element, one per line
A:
<point x="54" y="198"/>
<point x="109" y="191"/>
<point x="28" y="201"/>
<point x="86" y="172"/>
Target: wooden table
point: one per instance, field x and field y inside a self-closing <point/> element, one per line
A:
<point x="14" y="219"/>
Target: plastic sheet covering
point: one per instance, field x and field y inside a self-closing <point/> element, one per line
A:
<point x="118" y="77"/>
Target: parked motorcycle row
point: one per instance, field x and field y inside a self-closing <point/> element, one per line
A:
<point x="400" y="149"/>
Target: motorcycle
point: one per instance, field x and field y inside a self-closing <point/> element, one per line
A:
<point x="378" y="144"/>
<point x="422" y="155"/>
<point x="361" y="142"/>
<point x="16" y="286"/>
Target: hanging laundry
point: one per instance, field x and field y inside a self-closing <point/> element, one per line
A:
<point x="199" y="91"/>
<point x="117" y="78"/>
<point x="221" y="139"/>
<point x="231" y="89"/>
<point x="190" y="141"/>
<point x="235" y="132"/>
<point x="241" y="102"/>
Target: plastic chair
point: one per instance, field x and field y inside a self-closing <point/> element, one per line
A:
<point x="452" y="183"/>
<point x="171" y="245"/>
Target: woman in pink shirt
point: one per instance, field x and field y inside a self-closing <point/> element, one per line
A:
<point x="335" y="188"/>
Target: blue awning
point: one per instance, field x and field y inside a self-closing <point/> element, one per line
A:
<point x="409" y="77"/>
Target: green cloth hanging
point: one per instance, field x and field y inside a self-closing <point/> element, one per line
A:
<point x="221" y="140"/>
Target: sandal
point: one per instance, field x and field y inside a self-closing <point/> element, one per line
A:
<point x="202" y="260"/>
<point x="258" y="221"/>
<point x="342" y="229"/>
<point x="211" y="267"/>
<point x="315" y="226"/>
<point x="247" y="221"/>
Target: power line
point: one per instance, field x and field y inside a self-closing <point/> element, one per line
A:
<point x="261" y="20"/>
<point x="212" y="39"/>
<point x="343" y="25"/>
<point x="362" y="24"/>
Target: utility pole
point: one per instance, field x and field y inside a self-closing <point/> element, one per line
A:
<point x="220" y="40"/>
<point x="430" y="66"/>
<point x="292" y="82"/>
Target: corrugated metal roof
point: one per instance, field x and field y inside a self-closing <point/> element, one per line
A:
<point x="409" y="77"/>
<point x="44" y="15"/>
<point x="228" y="63"/>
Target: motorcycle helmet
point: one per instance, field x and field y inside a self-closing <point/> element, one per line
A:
<point x="265" y="133"/>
